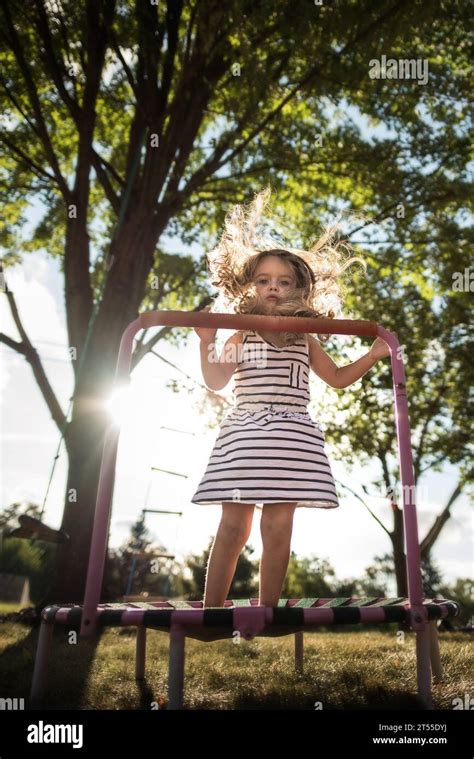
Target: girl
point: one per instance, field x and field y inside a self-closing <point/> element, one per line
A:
<point x="269" y="450"/>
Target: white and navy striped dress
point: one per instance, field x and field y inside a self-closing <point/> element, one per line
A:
<point x="268" y="448"/>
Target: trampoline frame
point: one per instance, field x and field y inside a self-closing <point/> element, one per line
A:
<point x="249" y="619"/>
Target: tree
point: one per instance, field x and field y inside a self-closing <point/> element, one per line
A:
<point x="438" y="367"/>
<point x="461" y="591"/>
<point x="380" y="574"/>
<point x="126" y="123"/>
<point x="20" y="556"/>
<point x="139" y="566"/>
<point x="308" y="577"/>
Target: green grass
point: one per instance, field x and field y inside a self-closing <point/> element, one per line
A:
<point x="343" y="670"/>
<point x="9" y="607"/>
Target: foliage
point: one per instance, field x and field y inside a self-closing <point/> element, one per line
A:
<point x="19" y="556"/>
<point x="244" y="583"/>
<point x="141" y="567"/>
<point x="462" y="591"/>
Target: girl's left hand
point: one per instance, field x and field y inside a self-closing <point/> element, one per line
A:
<point x="379" y="349"/>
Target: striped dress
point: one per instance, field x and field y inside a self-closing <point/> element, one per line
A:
<point x="268" y="448"/>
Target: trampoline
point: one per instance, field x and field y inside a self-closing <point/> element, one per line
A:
<point x="291" y="616"/>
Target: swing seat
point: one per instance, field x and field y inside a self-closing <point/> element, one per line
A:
<point x="32" y="528"/>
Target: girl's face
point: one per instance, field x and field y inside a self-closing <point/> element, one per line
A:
<point x="274" y="279"/>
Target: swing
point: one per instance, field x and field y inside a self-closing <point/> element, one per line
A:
<point x="245" y="616"/>
<point x="33" y="529"/>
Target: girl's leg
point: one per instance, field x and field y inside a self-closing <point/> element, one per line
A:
<point x="232" y="535"/>
<point x="276" y="526"/>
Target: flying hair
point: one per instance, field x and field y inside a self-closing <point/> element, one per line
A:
<point x="245" y="241"/>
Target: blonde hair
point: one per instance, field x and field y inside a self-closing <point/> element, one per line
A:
<point x="243" y="244"/>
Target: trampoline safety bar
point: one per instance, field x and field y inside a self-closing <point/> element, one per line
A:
<point x="190" y="619"/>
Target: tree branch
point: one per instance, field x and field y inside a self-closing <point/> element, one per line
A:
<point x="55" y="68"/>
<point x="430" y="414"/>
<point x="16" y="104"/>
<point x="210" y="392"/>
<point x="35" y="104"/>
<point x="24" y="159"/>
<point x="214" y="162"/>
<point x="428" y="541"/>
<point x="56" y="71"/>
<point x="26" y="348"/>
<point x="367" y="507"/>
<point x="432" y="464"/>
<point x="142" y="349"/>
<point x="104" y="180"/>
<point x="126" y="68"/>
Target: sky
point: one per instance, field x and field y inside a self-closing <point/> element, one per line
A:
<point x="348" y="537"/>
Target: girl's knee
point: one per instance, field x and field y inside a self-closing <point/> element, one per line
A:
<point x="276" y="524"/>
<point x="236" y="523"/>
<point x="233" y="534"/>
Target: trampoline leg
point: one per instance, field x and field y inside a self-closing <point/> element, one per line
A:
<point x="423" y="666"/>
<point x="176" y="668"/>
<point x="40" y="673"/>
<point x="140" y="653"/>
<point x="436" y="666"/>
<point x="299" y="651"/>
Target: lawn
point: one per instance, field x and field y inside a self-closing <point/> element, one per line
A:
<point x="9" y="607"/>
<point x="369" y="669"/>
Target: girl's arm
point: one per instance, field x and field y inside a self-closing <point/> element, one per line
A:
<point x="343" y="376"/>
<point x="217" y="371"/>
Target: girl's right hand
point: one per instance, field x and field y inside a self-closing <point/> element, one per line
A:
<point x="206" y="334"/>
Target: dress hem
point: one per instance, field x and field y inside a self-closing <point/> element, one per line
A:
<point x="260" y="504"/>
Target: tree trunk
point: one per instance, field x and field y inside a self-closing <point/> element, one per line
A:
<point x="86" y="435"/>
<point x="84" y="439"/>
